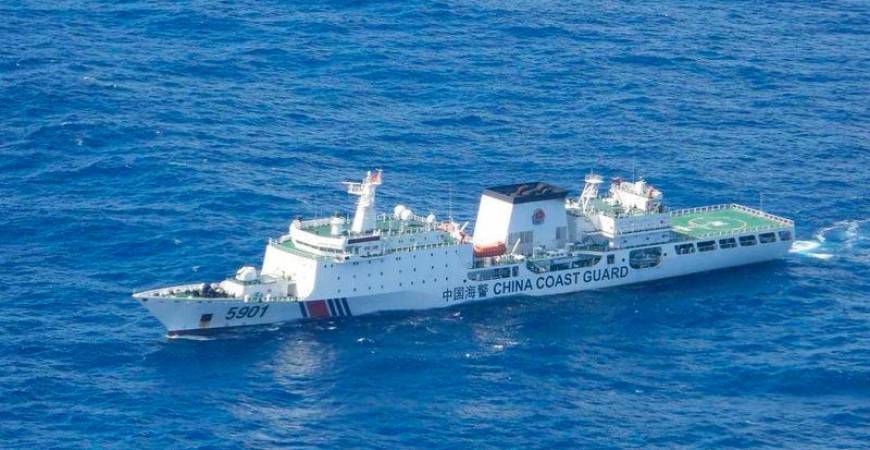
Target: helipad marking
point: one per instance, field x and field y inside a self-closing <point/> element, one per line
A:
<point x="717" y="223"/>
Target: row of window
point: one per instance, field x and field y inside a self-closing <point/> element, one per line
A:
<point x="745" y="241"/>
<point x="398" y="258"/>
<point x="380" y="274"/>
<point x="369" y="274"/>
<point x="401" y="284"/>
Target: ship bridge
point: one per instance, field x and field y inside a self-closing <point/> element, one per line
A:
<point x="369" y="234"/>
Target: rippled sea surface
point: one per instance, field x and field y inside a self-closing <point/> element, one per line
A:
<point x="145" y="143"/>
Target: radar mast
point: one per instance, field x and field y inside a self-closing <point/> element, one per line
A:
<point x="364" y="219"/>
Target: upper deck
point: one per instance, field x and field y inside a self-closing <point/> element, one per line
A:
<point x="320" y="238"/>
<point x="721" y="220"/>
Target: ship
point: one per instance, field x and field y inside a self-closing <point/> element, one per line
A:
<point x="529" y="239"/>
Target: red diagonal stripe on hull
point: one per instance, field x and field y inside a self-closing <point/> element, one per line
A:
<point x="317" y="308"/>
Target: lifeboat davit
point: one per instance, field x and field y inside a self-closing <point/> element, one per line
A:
<point x="489" y="250"/>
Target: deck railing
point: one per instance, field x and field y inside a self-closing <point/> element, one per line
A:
<point x="684" y="211"/>
<point x="758" y="212"/>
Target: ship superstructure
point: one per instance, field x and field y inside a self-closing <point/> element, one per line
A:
<point x="529" y="239"/>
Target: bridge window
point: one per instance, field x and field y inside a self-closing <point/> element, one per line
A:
<point x="706" y="246"/>
<point x="611" y="259"/>
<point x="645" y="257"/>
<point x="785" y="235"/>
<point x="746" y="241"/>
<point x="766" y="238"/>
<point x="727" y="243"/>
<point x="684" y="249"/>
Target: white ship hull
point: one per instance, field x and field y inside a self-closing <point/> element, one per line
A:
<point x="186" y="316"/>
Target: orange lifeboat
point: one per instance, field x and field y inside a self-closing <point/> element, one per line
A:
<point x="489" y="250"/>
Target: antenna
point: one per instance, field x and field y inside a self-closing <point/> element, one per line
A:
<point x="450" y="202"/>
<point x="633" y="170"/>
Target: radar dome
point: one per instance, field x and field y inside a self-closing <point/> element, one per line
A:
<point x="246" y="273"/>
<point x="406" y="214"/>
<point x="397" y="211"/>
<point x="336" y="225"/>
<point x="430" y="218"/>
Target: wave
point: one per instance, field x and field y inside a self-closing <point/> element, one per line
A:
<point x="845" y="238"/>
<point x="810" y="248"/>
<point x="847" y="232"/>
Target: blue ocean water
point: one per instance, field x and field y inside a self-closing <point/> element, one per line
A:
<point x="145" y="143"/>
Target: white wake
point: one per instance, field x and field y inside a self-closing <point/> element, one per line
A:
<point x="846" y="238"/>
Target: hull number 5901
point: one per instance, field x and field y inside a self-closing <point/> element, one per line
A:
<point x="246" y="312"/>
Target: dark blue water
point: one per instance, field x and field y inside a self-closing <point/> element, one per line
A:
<point x="145" y="143"/>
